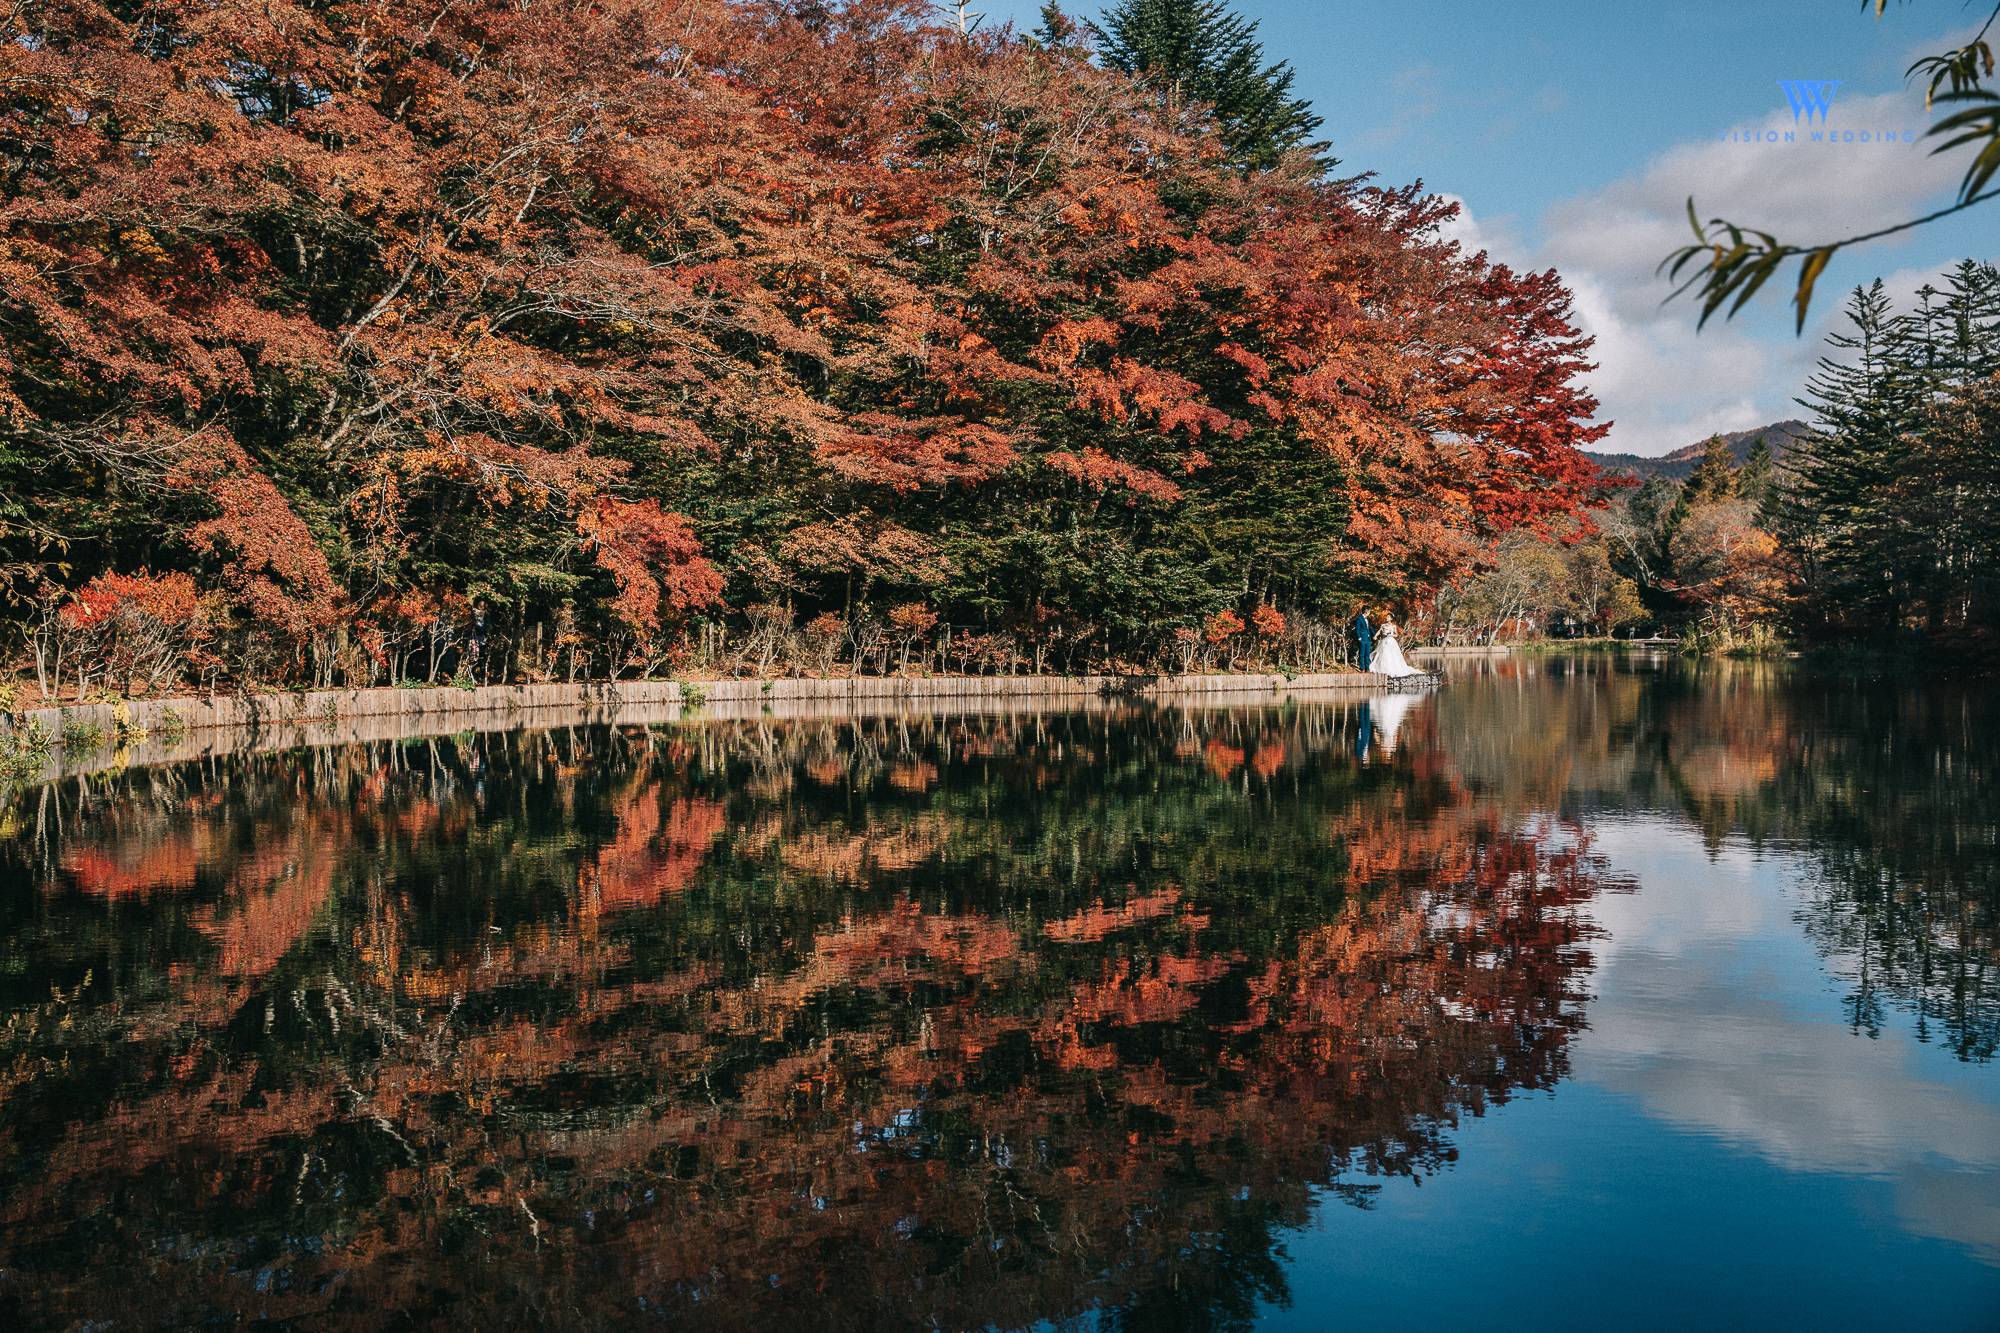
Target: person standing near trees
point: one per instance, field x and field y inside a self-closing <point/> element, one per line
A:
<point x="475" y="640"/>
<point x="1364" y="638"/>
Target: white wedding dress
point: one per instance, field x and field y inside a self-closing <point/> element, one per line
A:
<point x="1388" y="656"/>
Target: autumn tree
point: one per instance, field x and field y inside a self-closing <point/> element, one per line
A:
<point x="419" y="307"/>
<point x="343" y="311"/>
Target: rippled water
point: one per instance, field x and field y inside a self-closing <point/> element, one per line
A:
<point x="1572" y="996"/>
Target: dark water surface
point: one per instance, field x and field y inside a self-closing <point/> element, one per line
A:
<point x="1573" y="996"/>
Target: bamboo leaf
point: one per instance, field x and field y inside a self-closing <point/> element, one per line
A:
<point x="1809" y="271"/>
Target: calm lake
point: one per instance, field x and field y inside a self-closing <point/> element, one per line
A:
<point x="1579" y="994"/>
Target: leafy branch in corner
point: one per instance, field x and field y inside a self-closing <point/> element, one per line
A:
<point x="1728" y="264"/>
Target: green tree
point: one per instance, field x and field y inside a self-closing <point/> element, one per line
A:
<point x="1715" y="478"/>
<point x="1652" y="502"/>
<point x="1863" y="405"/>
<point x="1199" y="51"/>
<point x="1884" y="506"/>
<point x="1753" y="481"/>
<point x="1676" y="516"/>
<point x="1058" y="32"/>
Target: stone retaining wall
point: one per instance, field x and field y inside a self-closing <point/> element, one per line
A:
<point x="588" y="701"/>
<point x="152" y="731"/>
<point x="264" y="712"/>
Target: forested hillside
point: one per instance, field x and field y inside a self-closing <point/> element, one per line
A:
<point x="655" y="326"/>
<point x="1681" y="463"/>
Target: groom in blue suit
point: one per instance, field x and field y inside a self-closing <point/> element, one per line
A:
<point x="1364" y="635"/>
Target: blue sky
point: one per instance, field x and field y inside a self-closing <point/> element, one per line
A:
<point x="1573" y="134"/>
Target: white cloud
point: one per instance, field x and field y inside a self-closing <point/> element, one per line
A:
<point x="1664" y="384"/>
<point x="1710" y="1048"/>
<point x="1497" y="238"/>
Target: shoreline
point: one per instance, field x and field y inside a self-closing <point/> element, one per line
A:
<point x="92" y="737"/>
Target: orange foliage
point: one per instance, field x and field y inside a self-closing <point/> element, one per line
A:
<point x="385" y="279"/>
<point x="140" y="870"/>
<point x="913" y="618"/>
<point x="169" y="599"/>
<point x="127" y="626"/>
<point x="275" y="898"/>
<point x="1099" y="471"/>
<point x="649" y="551"/>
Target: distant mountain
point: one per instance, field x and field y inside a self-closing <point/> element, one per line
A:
<point x="1681" y="463"/>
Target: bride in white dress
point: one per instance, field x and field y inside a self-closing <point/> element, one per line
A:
<point x="1388" y="655"/>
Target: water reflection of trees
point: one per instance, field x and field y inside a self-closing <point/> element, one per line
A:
<point x="879" y="1025"/>
<point x="1894" y="793"/>
<point x="1885" y="790"/>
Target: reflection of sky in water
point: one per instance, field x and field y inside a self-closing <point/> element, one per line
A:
<point x="1727" y="1153"/>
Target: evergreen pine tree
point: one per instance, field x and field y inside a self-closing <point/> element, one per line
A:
<point x="1651" y="503"/>
<point x="1863" y="406"/>
<point x="1886" y="505"/>
<point x="1198" y="51"/>
<point x="1753" y="480"/>
<point x="1676" y="516"/>
<point x="1935" y="518"/>
<point x="1057" y="32"/>
<point x="1715" y="478"/>
<point x="1954" y="336"/>
<point x="1960" y="504"/>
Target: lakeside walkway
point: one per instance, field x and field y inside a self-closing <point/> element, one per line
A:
<point x="155" y="731"/>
